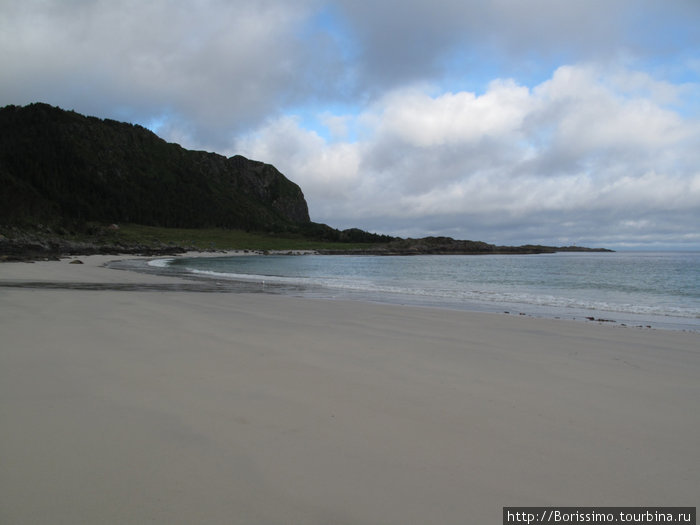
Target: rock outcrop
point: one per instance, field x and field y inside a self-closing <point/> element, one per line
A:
<point x="58" y="165"/>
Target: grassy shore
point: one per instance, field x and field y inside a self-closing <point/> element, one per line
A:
<point x="46" y="242"/>
<point x="41" y="242"/>
<point x="223" y="239"/>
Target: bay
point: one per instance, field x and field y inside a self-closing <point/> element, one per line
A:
<point x="659" y="289"/>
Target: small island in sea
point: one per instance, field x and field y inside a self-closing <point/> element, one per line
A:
<point x="74" y="184"/>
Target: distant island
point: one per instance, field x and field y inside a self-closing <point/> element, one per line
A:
<point x="74" y="184"/>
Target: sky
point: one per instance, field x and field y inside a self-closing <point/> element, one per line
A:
<point x="556" y="122"/>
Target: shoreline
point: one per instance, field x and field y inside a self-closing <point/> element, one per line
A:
<point x="188" y="407"/>
<point x="95" y="276"/>
<point x="600" y="316"/>
<point x="92" y="278"/>
<point x="19" y="244"/>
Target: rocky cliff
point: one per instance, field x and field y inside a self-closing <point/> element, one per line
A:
<point x="58" y="166"/>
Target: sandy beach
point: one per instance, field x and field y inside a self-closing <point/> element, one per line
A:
<point x="168" y="406"/>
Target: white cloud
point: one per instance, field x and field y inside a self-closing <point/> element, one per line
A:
<point x="337" y="125"/>
<point x="593" y="116"/>
<point x="421" y="120"/>
<point x="576" y="147"/>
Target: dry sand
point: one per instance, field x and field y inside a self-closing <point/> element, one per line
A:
<point x="187" y="407"/>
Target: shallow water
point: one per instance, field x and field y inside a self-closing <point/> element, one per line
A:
<point x="634" y="288"/>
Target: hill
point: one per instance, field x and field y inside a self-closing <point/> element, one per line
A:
<point x="58" y="166"/>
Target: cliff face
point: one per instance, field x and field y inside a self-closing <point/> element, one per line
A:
<point x="59" y="165"/>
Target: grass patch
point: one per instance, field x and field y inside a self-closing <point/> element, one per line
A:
<point x="222" y="239"/>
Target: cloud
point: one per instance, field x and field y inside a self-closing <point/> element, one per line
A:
<point x="408" y="40"/>
<point x="214" y="64"/>
<point x="421" y="120"/>
<point x="575" y="154"/>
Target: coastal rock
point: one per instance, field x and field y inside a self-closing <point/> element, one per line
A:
<point x="89" y="169"/>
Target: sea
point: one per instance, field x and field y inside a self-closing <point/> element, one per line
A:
<point x="641" y="289"/>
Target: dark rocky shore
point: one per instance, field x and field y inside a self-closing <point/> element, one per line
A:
<point x="45" y="243"/>
<point x="450" y="246"/>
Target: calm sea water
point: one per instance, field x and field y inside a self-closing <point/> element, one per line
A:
<point x="656" y="288"/>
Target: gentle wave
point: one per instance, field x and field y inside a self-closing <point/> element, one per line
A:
<point x="160" y="263"/>
<point x="248" y="277"/>
<point x="660" y="289"/>
<point x="358" y="285"/>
